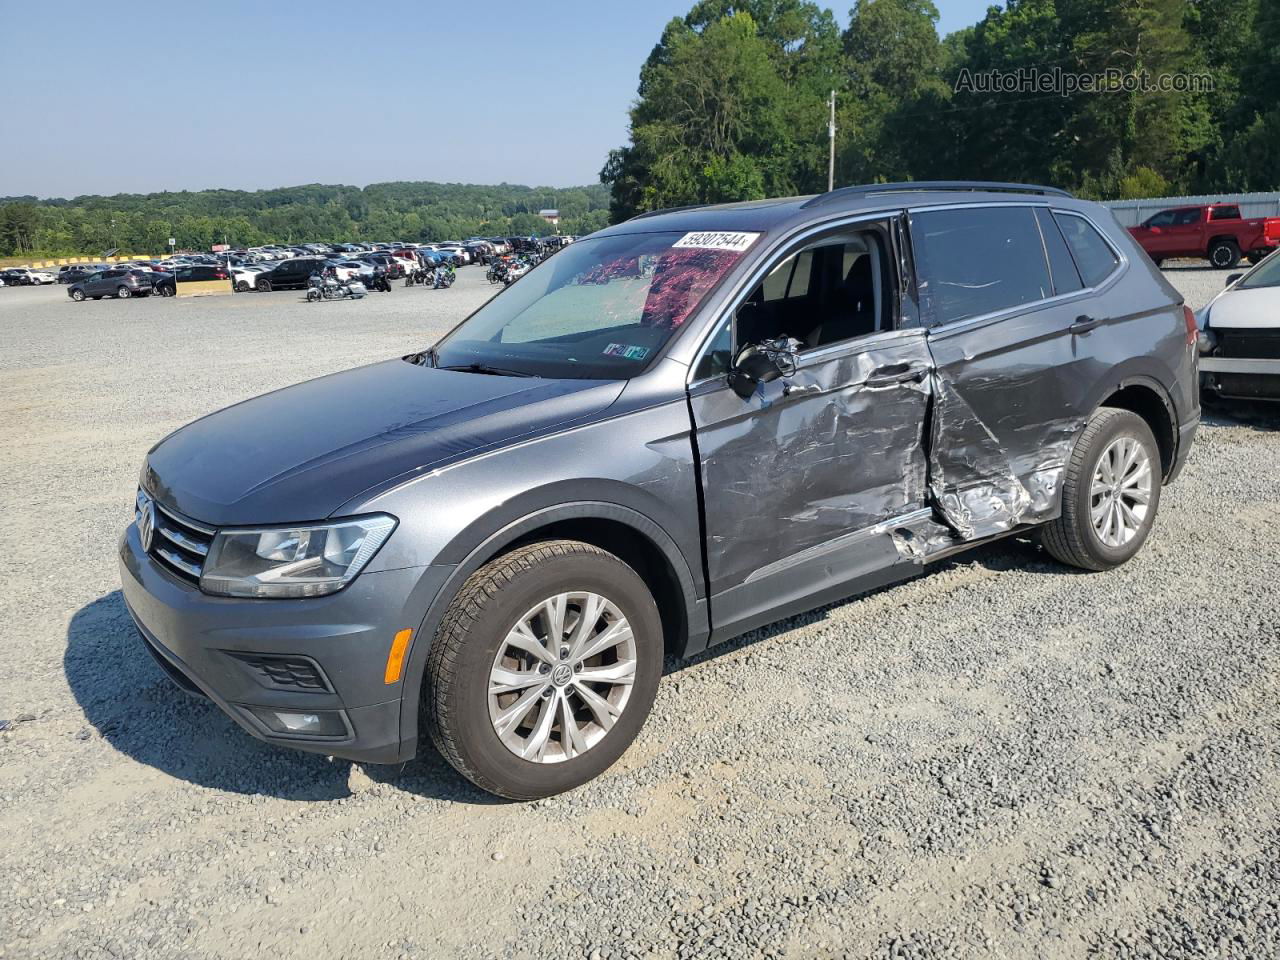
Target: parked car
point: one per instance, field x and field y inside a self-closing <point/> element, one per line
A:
<point x="166" y="284"/>
<point x="1215" y="232"/>
<point x="20" y="277"/>
<point x="1240" y="336"/>
<point x="749" y="411"/>
<point x="245" y="278"/>
<point x="289" y="274"/>
<point x="115" y="282"/>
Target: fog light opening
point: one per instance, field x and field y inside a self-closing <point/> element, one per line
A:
<point x="314" y="723"/>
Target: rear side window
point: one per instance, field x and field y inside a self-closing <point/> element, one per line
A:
<point x="1093" y="255"/>
<point x="978" y="260"/>
<point x="1224" y="213"/>
<point x="1066" y="279"/>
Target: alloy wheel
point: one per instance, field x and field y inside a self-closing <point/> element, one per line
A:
<point x="1120" y="495"/>
<point x="562" y="677"/>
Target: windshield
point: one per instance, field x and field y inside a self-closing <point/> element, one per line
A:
<point x="1265" y="274"/>
<point x="601" y="309"/>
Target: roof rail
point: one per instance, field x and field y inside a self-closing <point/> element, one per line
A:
<point x="657" y="213"/>
<point x="929" y="186"/>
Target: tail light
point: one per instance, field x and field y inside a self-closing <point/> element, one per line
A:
<point x="1273" y="229"/>
<point x="1193" y="332"/>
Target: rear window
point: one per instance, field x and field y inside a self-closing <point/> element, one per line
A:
<point x="978" y="260"/>
<point x="1094" y="257"/>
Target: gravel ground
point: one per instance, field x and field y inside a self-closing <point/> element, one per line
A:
<point x="1001" y="758"/>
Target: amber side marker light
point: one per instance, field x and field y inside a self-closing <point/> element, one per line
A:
<point x="395" y="659"/>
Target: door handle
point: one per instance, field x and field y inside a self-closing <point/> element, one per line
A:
<point x="895" y="373"/>
<point x="1083" y="325"/>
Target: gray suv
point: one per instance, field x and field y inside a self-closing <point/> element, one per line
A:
<point x="673" y="431"/>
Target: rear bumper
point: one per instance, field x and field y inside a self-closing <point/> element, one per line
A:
<point x="215" y="647"/>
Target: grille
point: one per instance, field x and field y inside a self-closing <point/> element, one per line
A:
<point x="178" y="544"/>
<point x="293" y="673"/>
<point x="1249" y="344"/>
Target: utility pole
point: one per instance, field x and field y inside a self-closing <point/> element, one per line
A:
<point x="831" y="136"/>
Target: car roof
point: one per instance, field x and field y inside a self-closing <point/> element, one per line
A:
<point x="766" y="216"/>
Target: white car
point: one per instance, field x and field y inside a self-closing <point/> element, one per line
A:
<point x="1239" y="338"/>
<point x="245" y="278"/>
<point x="43" y="276"/>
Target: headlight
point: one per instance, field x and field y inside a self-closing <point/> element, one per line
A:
<point x="306" y="561"/>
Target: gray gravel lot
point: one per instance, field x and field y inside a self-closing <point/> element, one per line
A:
<point x="1001" y="758"/>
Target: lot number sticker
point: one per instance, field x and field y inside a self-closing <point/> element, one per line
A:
<point x="716" y="240"/>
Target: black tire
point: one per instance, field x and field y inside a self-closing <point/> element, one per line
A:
<point x="1159" y="262"/>
<point x="1257" y="258"/>
<point x="242" y="286"/>
<point x="1224" y="254"/>
<point x="264" y="286"/>
<point x="1072" y="539"/>
<point x="123" y="292"/>
<point x="77" y="296"/>
<point x="455" y="701"/>
<point x="168" y="291"/>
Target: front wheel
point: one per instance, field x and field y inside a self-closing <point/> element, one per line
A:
<point x="313" y="295"/>
<point x="77" y="296"/>
<point x="1110" y="493"/>
<point x="264" y="286"/>
<point x="544" y="669"/>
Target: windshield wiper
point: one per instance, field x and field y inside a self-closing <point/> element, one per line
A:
<point x="486" y="369"/>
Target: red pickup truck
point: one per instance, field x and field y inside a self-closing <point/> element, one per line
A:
<point x="1213" y="231"/>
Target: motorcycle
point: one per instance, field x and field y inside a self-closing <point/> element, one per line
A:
<point x="329" y="288"/>
<point x="444" y="277"/>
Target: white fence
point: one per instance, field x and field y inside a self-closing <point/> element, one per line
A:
<point x="1130" y="213"/>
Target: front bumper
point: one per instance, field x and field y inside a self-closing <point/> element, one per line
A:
<point x="217" y="646"/>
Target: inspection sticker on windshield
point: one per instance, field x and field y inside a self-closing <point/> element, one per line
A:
<point x="716" y="240"/>
<point x="625" y="350"/>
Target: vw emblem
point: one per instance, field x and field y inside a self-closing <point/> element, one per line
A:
<point x="561" y="675"/>
<point x="147" y="525"/>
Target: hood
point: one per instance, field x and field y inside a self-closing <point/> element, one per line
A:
<point x="1238" y="309"/>
<point x="300" y="453"/>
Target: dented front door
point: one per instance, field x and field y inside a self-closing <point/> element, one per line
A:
<point x="795" y="476"/>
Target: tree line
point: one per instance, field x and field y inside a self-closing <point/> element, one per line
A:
<point x="732" y="102"/>
<point x="422" y="212"/>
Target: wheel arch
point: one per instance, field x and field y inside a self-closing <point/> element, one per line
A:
<point x="622" y="530"/>
<point x="1148" y="399"/>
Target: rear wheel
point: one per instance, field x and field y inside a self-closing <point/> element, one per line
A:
<point x="123" y="292"/>
<point x="1224" y="254"/>
<point x="544" y="669"/>
<point x="242" y="286"/>
<point x="1110" y="493"/>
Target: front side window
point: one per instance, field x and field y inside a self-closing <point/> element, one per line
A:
<point x="834" y="290"/>
<point x="601" y="309"/>
<point x="1093" y="255"/>
<point x="1186" y="218"/>
<point x="1162" y="219"/>
<point x="975" y="261"/>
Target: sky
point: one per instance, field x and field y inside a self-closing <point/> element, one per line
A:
<point x="246" y="95"/>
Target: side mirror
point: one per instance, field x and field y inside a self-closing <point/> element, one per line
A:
<point x="1233" y="278"/>
<point x="752" y="368"/>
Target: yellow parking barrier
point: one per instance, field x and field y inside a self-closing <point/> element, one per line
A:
<point x="204" y="288"/>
